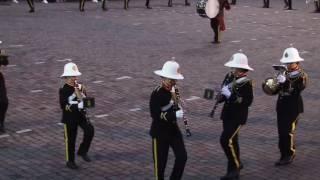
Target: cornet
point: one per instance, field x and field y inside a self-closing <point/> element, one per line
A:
<point x="80" y="91"/>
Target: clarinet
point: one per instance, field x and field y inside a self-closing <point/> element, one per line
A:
<point x="219" y="97"/>
<point x="177" y="102"/>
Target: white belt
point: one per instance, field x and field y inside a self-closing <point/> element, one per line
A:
<point x="167" y="107"/>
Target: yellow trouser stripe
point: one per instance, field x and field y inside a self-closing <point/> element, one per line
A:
<point x="232" y="148"/>
<point x="66" y="142"/>
<point x="155" y="155"/>
<point x="293" y="128"/>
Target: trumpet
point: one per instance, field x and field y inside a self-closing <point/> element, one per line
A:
<point x="81" y="93"/>
<point x="178" y="102"/>
<point x="79" y="90"/>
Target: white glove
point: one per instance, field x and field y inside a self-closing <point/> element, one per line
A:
<point x="281" y="78"/>
<point x="179" y="114"/>
<point x="80" y="105"/>
<point x="226" y="92"/>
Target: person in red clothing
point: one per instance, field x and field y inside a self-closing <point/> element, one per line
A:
<point x="217" y="22"/>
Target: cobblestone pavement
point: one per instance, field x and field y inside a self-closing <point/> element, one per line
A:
<point x="117" y="51"/>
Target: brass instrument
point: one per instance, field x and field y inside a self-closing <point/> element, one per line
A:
<point x="178" y="102"/>
<point x="80" y="91"/>
<point x="271" y="85"/>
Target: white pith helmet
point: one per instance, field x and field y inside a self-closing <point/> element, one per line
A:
<point x="70" y="69"/>
<point x="290" y="55"/>
<point x="239" y="60"/>
<point x="170" y="70"/>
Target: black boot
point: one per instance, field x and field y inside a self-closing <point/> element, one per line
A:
<point x="2" y="128"/>
<point x="31" y="10"/>
<point x="147" y="5"/>
<point x="71" y="165"/>
<point x="170" y="3"/>
<point x="126" y="4"/>
<point x="187" y="3"/>
<point x="104" y="5"/>
<point x="285" y="161"/>
<point x="85" y="157"/>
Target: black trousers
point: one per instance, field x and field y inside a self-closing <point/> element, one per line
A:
<point x="266" y="3"/>
<point x="104" y="4"/>
<point x="234" y="2"/>
<point x="317" y="6"/>
<point x="288" y="3"/>
<point x="160" y="148"/>
<point x="214" y="22"/>
<point x="70" y="130"/>
<point x="230" y="145"/>
<point x="81" y="5"/>
<point x="31" y="4"/>
<point x="3" y="110"/>
<point x="286" y="129"/>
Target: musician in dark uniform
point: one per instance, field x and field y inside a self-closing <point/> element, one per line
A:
<point x="169" y="3"/>
<point x="81" y="5"/>
<point x="74" y="115"/>
<point x="266" y="3"/>
<point x="217" y="23"/>
<point x="289" y="103"/>
<point x="237" y="95"/>
<point x="31" y="5"/>
<point x="164" y="129"/>
<point x="3" y="93"/>
<point x="317" y="6"/>
<point x="288" y="4"/>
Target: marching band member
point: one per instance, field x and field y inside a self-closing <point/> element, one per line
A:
<point x="217" y="23"/>
<point x="317" y="6"/>
<point x="237" y="95"/>
<point x="289" y="103"/>
<point x="81" y="5"/>
<point x="4" y="101"/>
<point x="31" y="4"/>
<point x="164" y="129"/>
<point x="288" y="4"/>
<point x="74" y="115"/>
<point x="169" y="3"/>
<point x="266" y="3"/>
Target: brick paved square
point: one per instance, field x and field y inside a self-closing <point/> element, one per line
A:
<point x="117" y="52"/>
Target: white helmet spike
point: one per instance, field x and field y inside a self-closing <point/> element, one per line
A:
<point x="70" y="69"/>
<point x="170" y="70"/>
